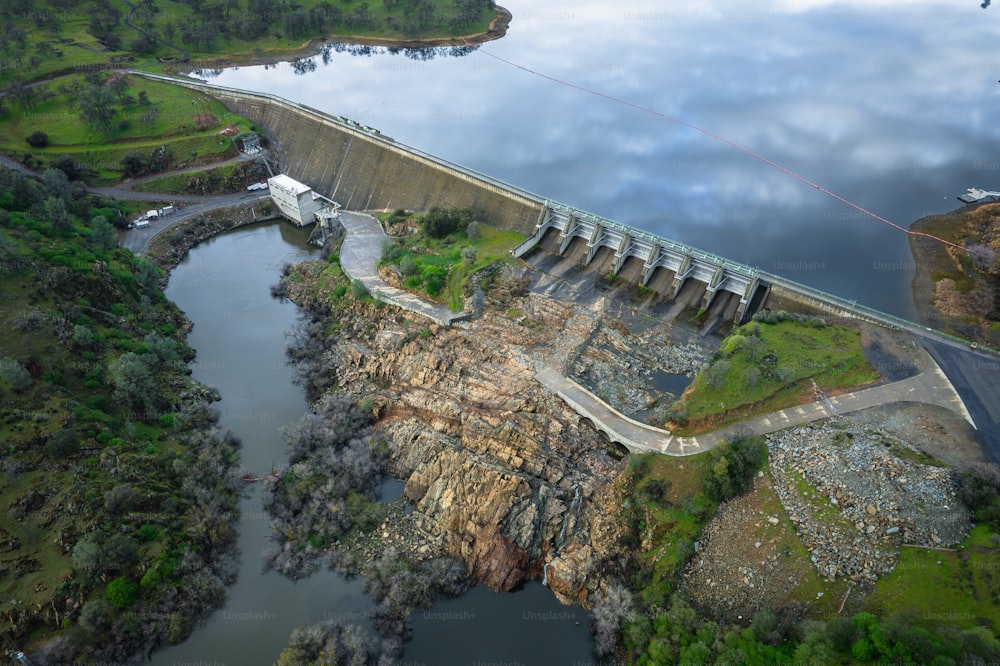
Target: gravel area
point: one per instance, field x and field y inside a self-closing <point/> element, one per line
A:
<point x="841" y="498"/>
<point x="855" y="494"/>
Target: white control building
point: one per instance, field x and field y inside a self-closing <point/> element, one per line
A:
<point x="294" y="200"/>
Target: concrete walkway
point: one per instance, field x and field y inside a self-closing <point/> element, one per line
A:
<point x="359" y="255"/>
<point x="929" y="387"/>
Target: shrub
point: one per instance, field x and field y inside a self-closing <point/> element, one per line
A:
<point x="63" y="444"/>
<point x="120" y="499"/>
<point x="358" y="289"/>
<point x="38" y="139"/>
<point x="733" y="467"/>
<point x="408" y="266"/>
<point x="95" y="616"/>
<point x="439" y="222"/>
<point x="14" y="374"/>
<point x="147" y="533"/>
<point x="122" y="592"/>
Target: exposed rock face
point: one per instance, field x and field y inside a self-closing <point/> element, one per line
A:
<point x="499" y="472"/>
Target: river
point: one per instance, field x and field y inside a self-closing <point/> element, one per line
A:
<point x="883" y="103"/>
<point x="223" y="286"/>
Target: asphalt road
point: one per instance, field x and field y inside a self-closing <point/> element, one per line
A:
<point x="976" y="377"/>
<point x="929" y="387"/>
<point x="138" y="240"/>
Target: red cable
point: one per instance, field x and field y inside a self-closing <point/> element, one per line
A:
<point x="724" y="140"/>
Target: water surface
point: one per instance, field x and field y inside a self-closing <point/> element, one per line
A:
<point x="886" y="104"/>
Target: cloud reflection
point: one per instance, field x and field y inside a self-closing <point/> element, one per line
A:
<point x="876" y="101"/>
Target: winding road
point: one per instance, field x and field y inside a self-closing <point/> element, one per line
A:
<point x="138" y="240"/>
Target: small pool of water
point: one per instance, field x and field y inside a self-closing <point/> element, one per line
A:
<point x="670" y="382"/>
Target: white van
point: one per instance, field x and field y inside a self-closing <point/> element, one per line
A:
<point x="141" y="223"/>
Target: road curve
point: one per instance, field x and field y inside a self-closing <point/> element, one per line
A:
<point x="929" y="387"/>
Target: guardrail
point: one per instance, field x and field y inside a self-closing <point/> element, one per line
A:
<point x="869" y="312"/>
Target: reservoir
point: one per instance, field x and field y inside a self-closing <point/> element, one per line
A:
<point x="888" y="106"/>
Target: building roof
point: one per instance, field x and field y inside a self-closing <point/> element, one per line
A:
<point x="290" y="184"/>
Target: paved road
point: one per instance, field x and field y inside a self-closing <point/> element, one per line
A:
<point x="359" y="255"/>
<point x="138" y="240"/>
<point x="930" y="387"/>
<point x="976" y="377"/>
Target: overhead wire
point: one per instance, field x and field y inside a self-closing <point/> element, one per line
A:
<point x="719" y="137"/>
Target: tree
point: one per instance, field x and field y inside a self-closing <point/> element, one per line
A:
<point x="68" y="166"/>
<point x="57" y="214"/>
<point x="132" y="164"/>
<point x="38" y="139"/>
<point x="439" y="222"/>
<point x="103" y="233"/>
<point x="57" y="183"/>
<point x="96" y="616"/>
<point x="120" y="499"/>
<point x="122" y="592"/>
<point x="147" y="274"/>
<point x="63" y="444"/>
<point x="97" y="107"/>
<point x="104" y="20"/>
<point x="611" y="610"/>
<point x="14" y="374"/>
<point x="132" y="380"/>
<point x="358" y="289"/>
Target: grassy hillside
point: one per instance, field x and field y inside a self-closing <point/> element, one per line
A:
<point x="108" y="127"/>
<point x="44" y="37"/>
<point x="769" y="364"/>
<point x="118" y="492"/>
<point x="957" y="289"/>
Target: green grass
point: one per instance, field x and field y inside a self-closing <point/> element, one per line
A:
<point x="438" y="269"/>
<point x="788" y="355"/>
<point x="667" y="526"/>
<point x="178" y="183"/>
<point x="103" y="152"/>
<point x="939" y="588"/>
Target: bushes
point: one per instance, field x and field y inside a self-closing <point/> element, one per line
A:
<point x="63" y="444"/>
<point x="439" y="222"/>
<point x="38" y="139"/>
<point x="122" y="592"/>
<point x="733" y="467"/>
<point x="14" y="374"/>
<point x="358" y="289"/>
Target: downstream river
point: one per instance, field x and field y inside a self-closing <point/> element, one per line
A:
<point x="223" y="286"/>
<point x="890" y="105"/>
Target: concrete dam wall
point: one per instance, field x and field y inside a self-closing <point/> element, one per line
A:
<point x="361" y="170"/>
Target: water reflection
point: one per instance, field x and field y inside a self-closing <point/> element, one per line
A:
<point x="882" y="106"/>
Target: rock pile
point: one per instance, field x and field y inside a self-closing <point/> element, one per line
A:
<point x="855" y="495"/>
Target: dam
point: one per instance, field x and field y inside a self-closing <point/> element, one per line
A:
<point x="360" y="169"/>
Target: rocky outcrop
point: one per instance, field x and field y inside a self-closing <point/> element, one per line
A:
<point x="497" y="471"/>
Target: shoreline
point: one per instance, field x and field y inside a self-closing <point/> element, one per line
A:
<point x="497" y="29"/>
<point x="928" y="258"/>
